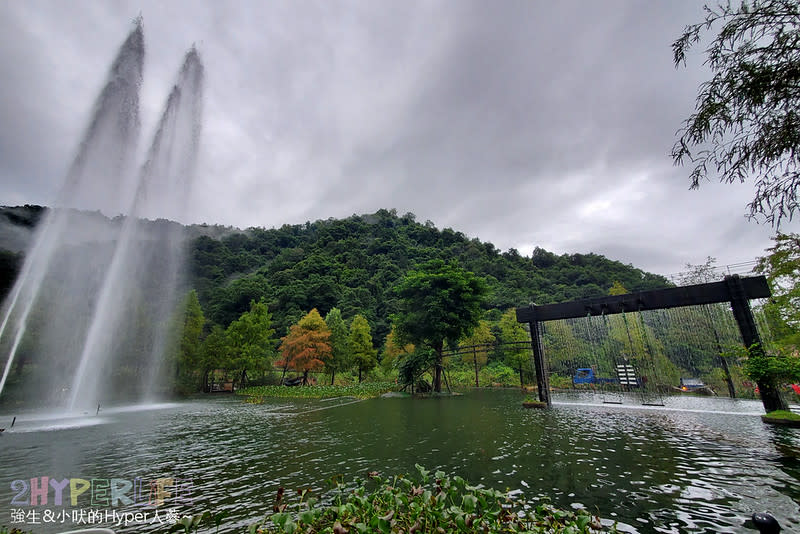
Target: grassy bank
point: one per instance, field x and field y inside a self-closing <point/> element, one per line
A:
<point x="365" y="390"/>
<point x="426" y="502"/>
<point x="782" y="417"/>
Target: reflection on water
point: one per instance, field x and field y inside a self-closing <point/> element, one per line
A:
<point x="697" y="464"/>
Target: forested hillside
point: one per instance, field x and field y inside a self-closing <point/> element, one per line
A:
<point x="351" y="264"/>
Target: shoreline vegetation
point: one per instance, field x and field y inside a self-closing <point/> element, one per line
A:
<point x="782" y="417"/>
<point x="366" y="390"/>
<point x="424" y="502"/>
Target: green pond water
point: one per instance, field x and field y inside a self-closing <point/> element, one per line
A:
<point x="695" y="465"/>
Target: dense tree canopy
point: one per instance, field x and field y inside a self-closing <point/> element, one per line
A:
<point x="518" y="357"/>
<point x="190" y="345"/>
<point x="782" y="268"/>
<point x="393" y="350"/>
<point x="746" y="123"/>
<point x="340" y="359"/>
<point x="361" y="349"/>
<point x="250" y="340"/>
<point x="439" y="304"/>
<point x="474" y="348"/>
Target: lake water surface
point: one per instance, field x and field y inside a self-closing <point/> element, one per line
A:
<point x="694" y="465"/>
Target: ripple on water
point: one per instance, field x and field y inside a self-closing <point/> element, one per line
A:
<point x="673" y="469"/>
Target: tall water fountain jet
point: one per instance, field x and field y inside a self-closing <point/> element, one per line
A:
<point x="102" y="163"/>
<point x="99" y="294"/>
<point x="164" y="185"/>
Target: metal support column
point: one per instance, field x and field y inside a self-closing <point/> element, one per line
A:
<point x="542" y="380"/>
<point x="740" y="305"/>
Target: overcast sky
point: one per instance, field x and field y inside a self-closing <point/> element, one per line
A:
<point x="524" y="123"/>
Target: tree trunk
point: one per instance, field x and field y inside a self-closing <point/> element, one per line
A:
<point x="305" y="377"/>
<point x="359" y="375"/>
<point x="333" y="374"/>
<point x="437" y="376"/>
<point x="205" y="388"/>
<point x="283" y="375"/>
<point x="243" y="381"/>
<point x="521" y="383"/>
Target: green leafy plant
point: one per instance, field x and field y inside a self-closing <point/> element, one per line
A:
<point x="191" y="523"/>
<point x="428" y="502"/>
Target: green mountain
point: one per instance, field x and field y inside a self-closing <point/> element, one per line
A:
<point x="354" y="263"/>
<point x="351" y="264"/>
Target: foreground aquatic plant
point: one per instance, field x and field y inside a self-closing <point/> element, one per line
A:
<point x="429" y="502"/>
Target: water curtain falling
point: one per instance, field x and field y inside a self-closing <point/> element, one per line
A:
<point x="92" y="304"/>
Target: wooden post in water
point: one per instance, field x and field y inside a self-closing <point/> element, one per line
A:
<point x="542" y="380"/>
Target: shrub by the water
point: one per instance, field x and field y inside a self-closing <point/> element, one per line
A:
<point x="364" y="390"/>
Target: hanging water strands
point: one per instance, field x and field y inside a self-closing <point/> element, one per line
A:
<point x="620" y="368"/>
<point x="564" y="352"/>
<point x="643" y="356"/>
<point x="652" y="391"/>
<point x="702" y="346"/>
<point x="723" y="362"/>
<point x="631" y="350"/>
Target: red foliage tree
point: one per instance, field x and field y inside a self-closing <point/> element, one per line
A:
<point x="307" y="345"/>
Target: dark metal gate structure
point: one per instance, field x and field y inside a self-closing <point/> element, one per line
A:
<point x="734" y="289"/>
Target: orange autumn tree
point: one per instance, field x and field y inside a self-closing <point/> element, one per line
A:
<point x="307" y="345"/>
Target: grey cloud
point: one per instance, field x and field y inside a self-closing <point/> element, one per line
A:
<point x="522" y="123"/>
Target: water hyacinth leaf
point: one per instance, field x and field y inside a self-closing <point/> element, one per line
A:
<point x="469" y="502"/>
<point x="428" y="508"/>
<point x="307" y="517"/>
<point x="280" y="519"/>
<point x="423" y="473"/>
